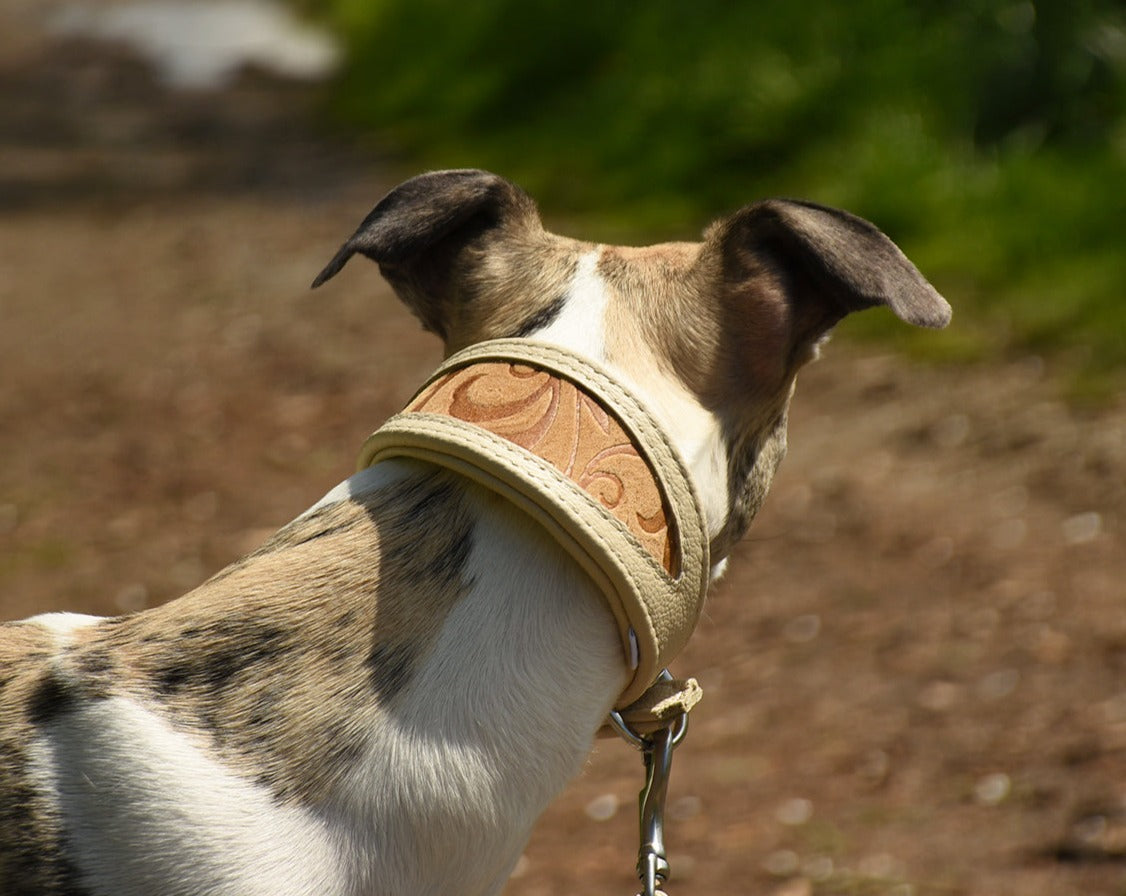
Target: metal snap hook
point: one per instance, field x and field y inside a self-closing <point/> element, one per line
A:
<point x="657" y="749"/>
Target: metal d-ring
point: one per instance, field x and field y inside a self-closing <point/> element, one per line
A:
<point x="641" y="741"/>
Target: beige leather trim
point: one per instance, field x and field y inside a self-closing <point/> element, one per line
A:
<point x="661" y="609"/>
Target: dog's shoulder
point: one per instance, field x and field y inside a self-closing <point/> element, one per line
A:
<point x="32" y="859"/>
<point x="336" y="610"/>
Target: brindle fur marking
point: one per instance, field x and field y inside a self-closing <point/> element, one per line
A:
<point x="363" y="586"/>
<point x="31" y="836"/>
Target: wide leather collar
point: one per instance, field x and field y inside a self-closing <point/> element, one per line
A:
<point x="564" y="441"/>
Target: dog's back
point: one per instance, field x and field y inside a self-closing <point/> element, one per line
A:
<point x="232" y="714"/>
<point x="260" y="734"/>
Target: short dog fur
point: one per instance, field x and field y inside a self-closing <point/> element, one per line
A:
<point x="383" y="697"/>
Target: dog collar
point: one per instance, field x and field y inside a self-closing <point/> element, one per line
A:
<point x="561" y="439"/>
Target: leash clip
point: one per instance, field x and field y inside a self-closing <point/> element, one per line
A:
<point x="657" y="749"/>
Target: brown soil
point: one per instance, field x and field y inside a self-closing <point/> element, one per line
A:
<point x="914" y="675"/>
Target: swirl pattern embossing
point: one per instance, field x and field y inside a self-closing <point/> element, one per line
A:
<point x="555" y="420"/>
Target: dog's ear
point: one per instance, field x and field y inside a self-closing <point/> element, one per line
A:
<point x="806" y="266"/>
<point x="417" y="230"/>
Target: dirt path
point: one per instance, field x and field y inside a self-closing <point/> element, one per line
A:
<point x="915" y="675"/>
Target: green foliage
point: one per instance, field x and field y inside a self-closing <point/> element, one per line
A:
<point x="988" y="137"/>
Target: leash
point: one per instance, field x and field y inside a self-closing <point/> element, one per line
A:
<point x="656" y="749"/>
<point x="563" y="440"/>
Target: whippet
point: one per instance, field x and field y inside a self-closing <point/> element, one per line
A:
<point x="384" y="696"/>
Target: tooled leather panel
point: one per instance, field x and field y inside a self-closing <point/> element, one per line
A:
<point x="552" y="418"/>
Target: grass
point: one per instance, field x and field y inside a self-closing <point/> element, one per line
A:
<point x="988" y="138"/>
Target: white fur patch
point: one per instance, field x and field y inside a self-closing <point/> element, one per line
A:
<point x="581" y="325"/>
<point x="63" y="624"/>
<point x="697" y="435"/>
<point x="442" y="769"/>
<point x="706" y="456"/>
<point x="147" y="810"/>
<point x="366" y="481"/>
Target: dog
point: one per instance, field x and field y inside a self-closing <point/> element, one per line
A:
<point x="384" y="696"/>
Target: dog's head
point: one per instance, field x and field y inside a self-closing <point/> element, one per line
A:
<point x="712" y="333"/>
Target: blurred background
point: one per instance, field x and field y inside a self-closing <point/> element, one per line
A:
<point x="915" y="673"/>
<point x="990" y="135"/>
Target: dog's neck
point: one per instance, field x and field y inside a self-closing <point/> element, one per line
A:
<point x="565" y="442"/>
<point x="593" y="322"/>
<point x="499" y="716"/>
